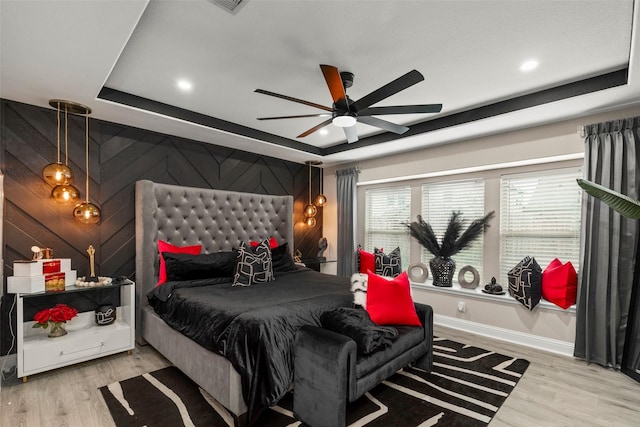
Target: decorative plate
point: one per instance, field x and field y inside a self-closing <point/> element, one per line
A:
<point x="102" y="281"/>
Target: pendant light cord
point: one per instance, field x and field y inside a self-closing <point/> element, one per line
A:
<point x="58" y="132"/>
<point x="309" y="183"/>
<point x="86" y="151"/>
<point x="66" y="137"/>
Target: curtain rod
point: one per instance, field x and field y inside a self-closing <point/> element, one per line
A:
<point x="482" y="168"/>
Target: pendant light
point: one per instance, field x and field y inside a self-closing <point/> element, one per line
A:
<point x="321" y="199"/>
<point x="65" y="192"/>
<point x="86" y="212"/>
<point x="57" y="173"/>
<point x="310" y="210"/>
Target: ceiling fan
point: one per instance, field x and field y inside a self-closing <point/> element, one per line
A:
<point x="345" y="112"/>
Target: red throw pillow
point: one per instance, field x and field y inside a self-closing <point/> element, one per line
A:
<point x="168" y="247"/>
<point x="560" y="283"/>
<point x="389" y="302"/>
<point x="273" y="243"/>
<point x="367" y="261"/>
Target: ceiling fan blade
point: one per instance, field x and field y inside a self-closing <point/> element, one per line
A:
<point x="334" y="82"/>
<point x="315" y="128"/>
<point x="401" y="109"/>
<point x="289" y="98"/>
<point x="399" y="84"/>
<point x="294" y="117"/>
<point x="383" y="124"/>
<point x="351" y="134"/>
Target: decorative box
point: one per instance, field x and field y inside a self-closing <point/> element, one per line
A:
<point x="41" y="266"/>
<point x="44" y="282"/>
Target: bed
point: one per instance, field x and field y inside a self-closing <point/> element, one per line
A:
<point x="220" y="220"/>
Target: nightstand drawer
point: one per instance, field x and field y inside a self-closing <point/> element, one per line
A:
<point x="76" y="346"/>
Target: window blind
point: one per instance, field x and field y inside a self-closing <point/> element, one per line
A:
<point x="387" y="212"/>
<point x="540" y="216"/>
<point x="442" y="198"/>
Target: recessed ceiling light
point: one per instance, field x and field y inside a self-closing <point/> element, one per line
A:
<point x="529" y="65"/>
<point x="185" y="85"/>
<point x="323" y="132"/>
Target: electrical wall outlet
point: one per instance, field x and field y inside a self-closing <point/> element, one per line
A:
<point x="462" y="306"/>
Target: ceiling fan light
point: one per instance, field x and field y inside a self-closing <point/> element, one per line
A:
<point x="345" y="121"/>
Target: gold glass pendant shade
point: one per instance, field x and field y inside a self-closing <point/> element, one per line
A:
<point x="310" y="221"/>
<point x="87" y="213"/>
<point x="321" y="200"/>
<point x="310" y="210"/>
<point x="65" y="193"/>
<point x="57" y="174"/>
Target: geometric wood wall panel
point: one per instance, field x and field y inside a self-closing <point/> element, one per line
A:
<point x="118" y="157"/>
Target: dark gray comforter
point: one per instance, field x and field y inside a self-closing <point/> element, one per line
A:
<point x="253" y="327"/>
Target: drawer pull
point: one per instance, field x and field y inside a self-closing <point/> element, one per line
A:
<point x="62" y="352"/>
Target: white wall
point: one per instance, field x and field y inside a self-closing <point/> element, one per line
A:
<point x="543" y="325"/>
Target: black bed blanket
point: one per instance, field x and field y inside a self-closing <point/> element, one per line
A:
<point x="254" y="326"/>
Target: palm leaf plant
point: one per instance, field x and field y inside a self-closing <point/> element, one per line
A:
<point x="622" y="204"/>
<point x="453" y="241"/>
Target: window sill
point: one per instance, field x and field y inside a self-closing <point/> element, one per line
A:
<point x="477" y="293"/>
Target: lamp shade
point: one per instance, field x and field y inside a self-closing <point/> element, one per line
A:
<point x="65" y="193"/>
<point x="310" y="211"/>
<point x="57" y="174"/>
<point x="87" y="213"/>
<point x="310" y="221"/>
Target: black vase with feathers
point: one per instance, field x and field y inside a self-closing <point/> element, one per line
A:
<point x="454" y="239"/>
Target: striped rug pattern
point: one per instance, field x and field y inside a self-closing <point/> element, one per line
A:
<point x="466" y="388"/>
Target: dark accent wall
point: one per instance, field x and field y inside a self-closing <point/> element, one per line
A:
<point x="118" y="157"/>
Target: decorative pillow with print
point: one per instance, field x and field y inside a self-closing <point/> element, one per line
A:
<point x="388" y="264"/>
<point x="359" y="289"/>
<point x="525" y="282"/>
<point x="253" y="265"/>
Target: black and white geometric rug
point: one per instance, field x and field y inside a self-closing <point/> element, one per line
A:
<point x="466" y="388"/>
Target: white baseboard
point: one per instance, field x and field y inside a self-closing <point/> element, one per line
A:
<point x="563" y="348"/>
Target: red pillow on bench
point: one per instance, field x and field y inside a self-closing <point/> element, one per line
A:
<point x="367" y="261"/>
<point x="389" y="301"/>
<point x="560" y="283"/>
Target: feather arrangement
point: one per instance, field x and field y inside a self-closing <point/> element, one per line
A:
<point x="454" y="239"/>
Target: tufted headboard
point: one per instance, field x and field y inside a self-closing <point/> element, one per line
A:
<point x="218" y="220"/>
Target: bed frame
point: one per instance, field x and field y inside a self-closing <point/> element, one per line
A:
<point x="219" y="220"/>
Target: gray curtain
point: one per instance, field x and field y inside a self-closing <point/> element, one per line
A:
<point x="609" y="243"/>
<point x="346" y="182"/>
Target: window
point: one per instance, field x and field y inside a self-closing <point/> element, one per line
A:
<point x="440" y="199"/>
<point x="387" y="210"/>
<point x="540" y="217"/>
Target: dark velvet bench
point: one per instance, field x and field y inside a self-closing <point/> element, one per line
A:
<point x="329" y="373"/>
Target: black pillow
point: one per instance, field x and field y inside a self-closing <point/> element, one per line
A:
<point x="525" y="282"/>
<point x="253" y="265"/>
<point x="202" y="266"/>
<point x="389" y="264"/>
<point x="357" y="325"/>
<point x="282" y="260"/>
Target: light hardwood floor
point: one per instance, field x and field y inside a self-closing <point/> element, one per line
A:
<point x="555" y="390"/>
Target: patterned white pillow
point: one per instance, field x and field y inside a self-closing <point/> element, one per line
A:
<point x="359" y="289"/>
<point x="253" y="265"/>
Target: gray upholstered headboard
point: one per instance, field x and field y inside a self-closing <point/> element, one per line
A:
<point x="217" y="219"/>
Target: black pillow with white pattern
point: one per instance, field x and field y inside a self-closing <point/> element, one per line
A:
<point x="388" y="265"/>
<point x="525" y="282"/>
<point x="253" y="265"/>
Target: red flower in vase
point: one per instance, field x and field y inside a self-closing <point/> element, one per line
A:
<point x="60" y="313"/>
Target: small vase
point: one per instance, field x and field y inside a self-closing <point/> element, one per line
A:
<point x="57" y="330"/>
<point x="442" y="270"/>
